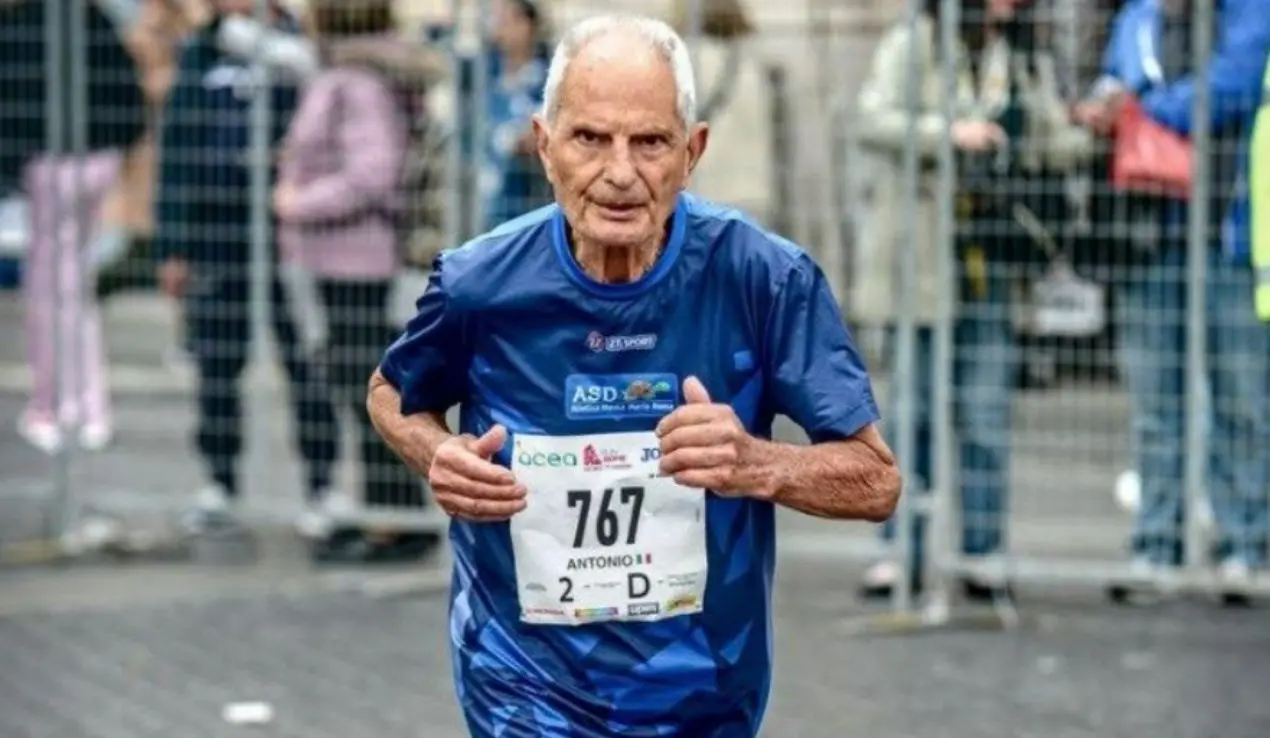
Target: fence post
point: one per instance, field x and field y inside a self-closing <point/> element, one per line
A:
<point x="455" y="225"/>
<point x="56" y="133"/>
<point x="74" y="361"/>
<point x="257" y="480"/>
<point x="942" y="526"/>
<point x="903" y="375"/>
<point x="480" y="134"/>
<point x="1198" y="235"/>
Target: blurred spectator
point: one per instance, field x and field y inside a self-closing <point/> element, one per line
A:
<point x="338" y="199"/>
<point x="65" y="193"/>
<point x="203" y="242"/>
<point x="735" y="95"/>
<point x="1011" y="128"/>
<point x="1149" y="56"/>
<point x="510" y="181"/>
<point x="122" y="250"/>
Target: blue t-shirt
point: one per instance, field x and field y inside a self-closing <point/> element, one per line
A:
<point x="505" y="323"/>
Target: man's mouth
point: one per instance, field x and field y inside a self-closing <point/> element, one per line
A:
<point x="619" y="210"/>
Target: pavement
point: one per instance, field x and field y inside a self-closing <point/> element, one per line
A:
<point x="115" y="650"/>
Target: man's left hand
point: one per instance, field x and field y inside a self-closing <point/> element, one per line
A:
<point x="703" y="443"/>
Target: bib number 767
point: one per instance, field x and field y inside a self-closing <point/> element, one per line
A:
<point x="607" y="523"/>
<point x="608" y="518"/>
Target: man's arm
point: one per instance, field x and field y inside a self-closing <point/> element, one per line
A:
<point x="414" y="438"/>
<point x="855" y="479"/>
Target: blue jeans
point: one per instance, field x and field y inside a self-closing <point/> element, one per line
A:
<point x="984" y="368"/>
<point x="1152" y="317"/>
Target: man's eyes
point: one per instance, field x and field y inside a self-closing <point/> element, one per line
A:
<point x="651" y="141"/>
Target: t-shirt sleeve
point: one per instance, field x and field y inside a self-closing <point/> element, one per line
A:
<point x="428" y="363"/>
<point x="817" y="377"/>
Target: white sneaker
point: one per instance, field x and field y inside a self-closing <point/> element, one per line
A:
<point x="1235" y="574"/>
<point x="211" y="503"/>
<point x="45" y="436"/>
<point x="319" y="518"/>
<point x="1236" y="580"/>
<point x="1129" y="491"/>
<point x="95" y="436"/>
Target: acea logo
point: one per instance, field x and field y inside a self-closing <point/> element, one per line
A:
<point x="530" y="457"/>
<point x="598" y="342"/>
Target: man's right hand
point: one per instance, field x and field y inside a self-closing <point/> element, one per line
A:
<point x="467" y="485"/>
<point x="174" y="275"/>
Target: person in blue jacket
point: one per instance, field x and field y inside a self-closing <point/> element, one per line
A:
<point x="509" y="180"/>
<point x="202" y="240"/>
<point x="1150" y="57"/>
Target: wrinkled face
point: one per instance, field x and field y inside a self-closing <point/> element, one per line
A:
<point x="617" y="153"/>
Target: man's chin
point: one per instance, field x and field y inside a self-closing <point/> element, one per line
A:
<point x="609" y="234"/>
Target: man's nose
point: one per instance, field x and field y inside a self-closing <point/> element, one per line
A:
<point x="620" y="170"/>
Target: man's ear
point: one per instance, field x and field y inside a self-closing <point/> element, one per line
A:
<point x="698" y="138"/>
<point x="542" y="140"/>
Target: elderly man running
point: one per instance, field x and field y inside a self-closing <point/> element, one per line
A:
<point x="619" y="358"/>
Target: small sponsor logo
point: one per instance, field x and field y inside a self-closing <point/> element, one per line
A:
<point x="598" y="342"/>
<point x="595" y="613"/>
<point x="620" y="395"/>
<point x="597" y="459"/>
<point x="643" y="608"/>
<point x="650" y="454"/>
<point x="682" y="602"/>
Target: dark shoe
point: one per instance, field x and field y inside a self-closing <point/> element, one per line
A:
<point x="981" y="593"/>
<point x="354" y="547"/>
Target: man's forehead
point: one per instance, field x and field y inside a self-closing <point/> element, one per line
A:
<point x="618" y="69"/>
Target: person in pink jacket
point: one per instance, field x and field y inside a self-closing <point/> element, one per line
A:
<point x="338" y="199"/>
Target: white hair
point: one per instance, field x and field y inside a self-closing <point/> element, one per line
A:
<point x="660" y="38"/>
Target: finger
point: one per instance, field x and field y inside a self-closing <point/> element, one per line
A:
<point x="688" y="415"/>
<point x="477" y="510"/>
<point x="695" y="392"/>
<point x="690" y="436"/>
<point x="453" y="484"/>
<point x="711" y="479"/>
<point x="467" y="465"/>
<point x="686" y="459"/>
<point x="490" y="443"/>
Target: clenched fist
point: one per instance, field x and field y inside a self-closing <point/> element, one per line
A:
<point x="468" y="486"/>
<point x="703" y="443"/>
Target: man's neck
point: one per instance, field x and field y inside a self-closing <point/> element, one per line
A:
<point x="616" y="264"/>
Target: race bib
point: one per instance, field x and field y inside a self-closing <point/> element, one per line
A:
<point x="603" y="537"/>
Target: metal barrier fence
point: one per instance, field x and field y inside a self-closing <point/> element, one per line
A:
<point x="1078" y="376"/>
<point x="244" y="388"/>
<point x="1003" y="371"/>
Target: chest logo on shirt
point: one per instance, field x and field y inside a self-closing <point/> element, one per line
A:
<point x="599" y="342"/>
<point x="616" y="396"/>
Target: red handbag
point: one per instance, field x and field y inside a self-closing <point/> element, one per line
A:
<point x="1147" y="158"/>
